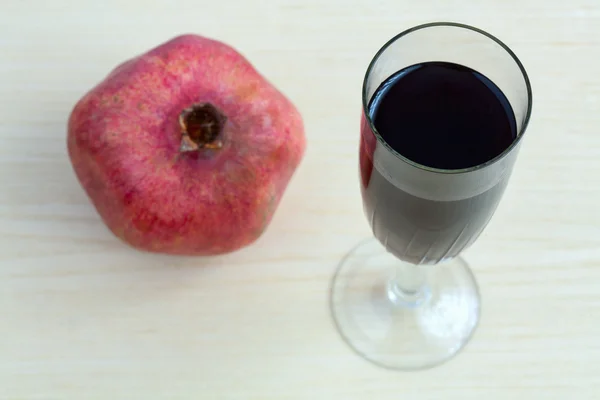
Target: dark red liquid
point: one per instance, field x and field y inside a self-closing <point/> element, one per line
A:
<point x="439" y="115"/>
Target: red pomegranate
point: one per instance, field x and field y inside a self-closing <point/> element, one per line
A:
<point x="186" y="149"/>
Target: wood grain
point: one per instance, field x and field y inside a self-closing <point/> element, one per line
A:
<point x="84" y="317"/>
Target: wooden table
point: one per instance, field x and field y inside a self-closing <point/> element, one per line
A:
<point x="84" y="317"/>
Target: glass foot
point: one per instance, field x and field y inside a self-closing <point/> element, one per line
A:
<point x="401" y="326"/>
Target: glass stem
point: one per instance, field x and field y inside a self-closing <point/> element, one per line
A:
<point x="408" y="286"/>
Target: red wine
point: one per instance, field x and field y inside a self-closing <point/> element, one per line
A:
<point x="437" y="115"/>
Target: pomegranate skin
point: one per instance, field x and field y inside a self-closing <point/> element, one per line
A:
<point x="125" y="143"/>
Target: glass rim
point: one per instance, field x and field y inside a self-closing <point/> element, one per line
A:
<point x="380" y="139"/>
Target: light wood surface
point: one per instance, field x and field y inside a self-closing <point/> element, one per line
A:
<point x="84" y="317"/>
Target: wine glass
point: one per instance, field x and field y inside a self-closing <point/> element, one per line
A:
<point x="445" y="106"/>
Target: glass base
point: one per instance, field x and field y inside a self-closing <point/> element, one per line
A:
<point x="393" y="322"/>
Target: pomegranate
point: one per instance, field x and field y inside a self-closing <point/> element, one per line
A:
<point x="185" y="149"/>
